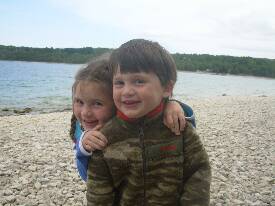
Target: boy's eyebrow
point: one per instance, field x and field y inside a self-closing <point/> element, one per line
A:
<point x="76" y="97"/>
<point x="98" y="100"/>
<point x="116" y="78"/>
<point x="133" y="74"/>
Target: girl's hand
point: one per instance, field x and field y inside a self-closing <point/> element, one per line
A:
<point x="94" y="140"/>
<point x="174" y="117"/>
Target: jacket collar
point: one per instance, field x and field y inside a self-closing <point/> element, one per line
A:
<point x="155" y="112"/>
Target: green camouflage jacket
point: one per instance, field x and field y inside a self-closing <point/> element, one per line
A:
<point x="146" y="164"/>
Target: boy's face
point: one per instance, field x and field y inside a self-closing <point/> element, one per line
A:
<point x="136" y="94"/>
<point x="92" y="104"/>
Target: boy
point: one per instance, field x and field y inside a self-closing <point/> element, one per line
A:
<point x="145" y="163"/>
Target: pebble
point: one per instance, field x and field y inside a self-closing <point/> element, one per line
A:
<point x="37" y="185"/>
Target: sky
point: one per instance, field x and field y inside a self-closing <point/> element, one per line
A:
<point x="217" y="27"/>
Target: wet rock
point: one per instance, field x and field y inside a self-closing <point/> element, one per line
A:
<point x="23" y="111"/>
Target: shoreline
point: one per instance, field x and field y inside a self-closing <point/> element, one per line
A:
<point x="30" y="110"/>
<point x="15" y="111"/>
<point x="37" y="161"/>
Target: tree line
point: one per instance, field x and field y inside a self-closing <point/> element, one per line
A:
<point x="66" y="55"/>
<point x="220" y="64"/>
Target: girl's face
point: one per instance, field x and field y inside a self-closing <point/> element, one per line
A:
<point x="92" y="104"/>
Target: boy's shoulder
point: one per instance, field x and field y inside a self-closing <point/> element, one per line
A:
<point x="189" y="130"/>
<point x="113" y="130"/>
<point x="112" y="125"/>
<point x="192" y="143"/>
<point x="190" y="134"/>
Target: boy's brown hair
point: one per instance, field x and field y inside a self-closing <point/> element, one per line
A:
<point x="140" y="55"/>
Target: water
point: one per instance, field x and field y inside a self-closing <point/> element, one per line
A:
<point x="40" y="86"/>
<point x="46" y="87"/>
<point x="201" y="85"/>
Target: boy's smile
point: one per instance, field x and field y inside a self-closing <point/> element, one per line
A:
<point x="130" y="103"/>
<point x="136" y="94"/>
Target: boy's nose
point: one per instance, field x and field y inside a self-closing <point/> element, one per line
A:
<point x="128" y="91"/>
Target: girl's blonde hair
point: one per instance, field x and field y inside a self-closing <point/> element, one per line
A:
<point x="96" y="70"/>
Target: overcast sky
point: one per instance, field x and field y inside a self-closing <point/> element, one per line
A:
<point x="219" y="27"/>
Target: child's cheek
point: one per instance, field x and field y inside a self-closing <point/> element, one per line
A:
<point x="104" y="116"/>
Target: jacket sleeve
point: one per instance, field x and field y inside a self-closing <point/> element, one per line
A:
<point x="100" y="190"/>
<point x="196" y="171"/>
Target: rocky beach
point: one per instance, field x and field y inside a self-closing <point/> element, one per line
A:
<point x="37" y="161"/>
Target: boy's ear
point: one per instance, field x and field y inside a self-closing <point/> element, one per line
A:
<point x="168" y="89"/>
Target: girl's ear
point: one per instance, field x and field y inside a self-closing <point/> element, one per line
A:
<point x="168" y="89"/>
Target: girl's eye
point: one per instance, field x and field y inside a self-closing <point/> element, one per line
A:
<point x="78" y="101"/>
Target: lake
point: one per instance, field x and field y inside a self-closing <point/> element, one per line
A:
<point x="46" y="87"/>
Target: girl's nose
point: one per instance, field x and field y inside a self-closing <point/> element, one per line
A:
<point x="87" y="111"/>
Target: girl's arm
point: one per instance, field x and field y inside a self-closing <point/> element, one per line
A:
<point x="86" y="142"/>
<point x="175" y="115"/>
<point x="82" y="159"/>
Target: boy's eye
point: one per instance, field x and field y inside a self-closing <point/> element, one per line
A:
<point x="98" y="104"/>
<point x="118" y="83"/>
<point x="139" y="81"/>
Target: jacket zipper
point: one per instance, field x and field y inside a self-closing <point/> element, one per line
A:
<point x="141" y="138"/>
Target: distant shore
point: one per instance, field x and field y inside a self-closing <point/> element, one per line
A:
<point x="37" y="161"/>
<point x="222" y="64"/>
